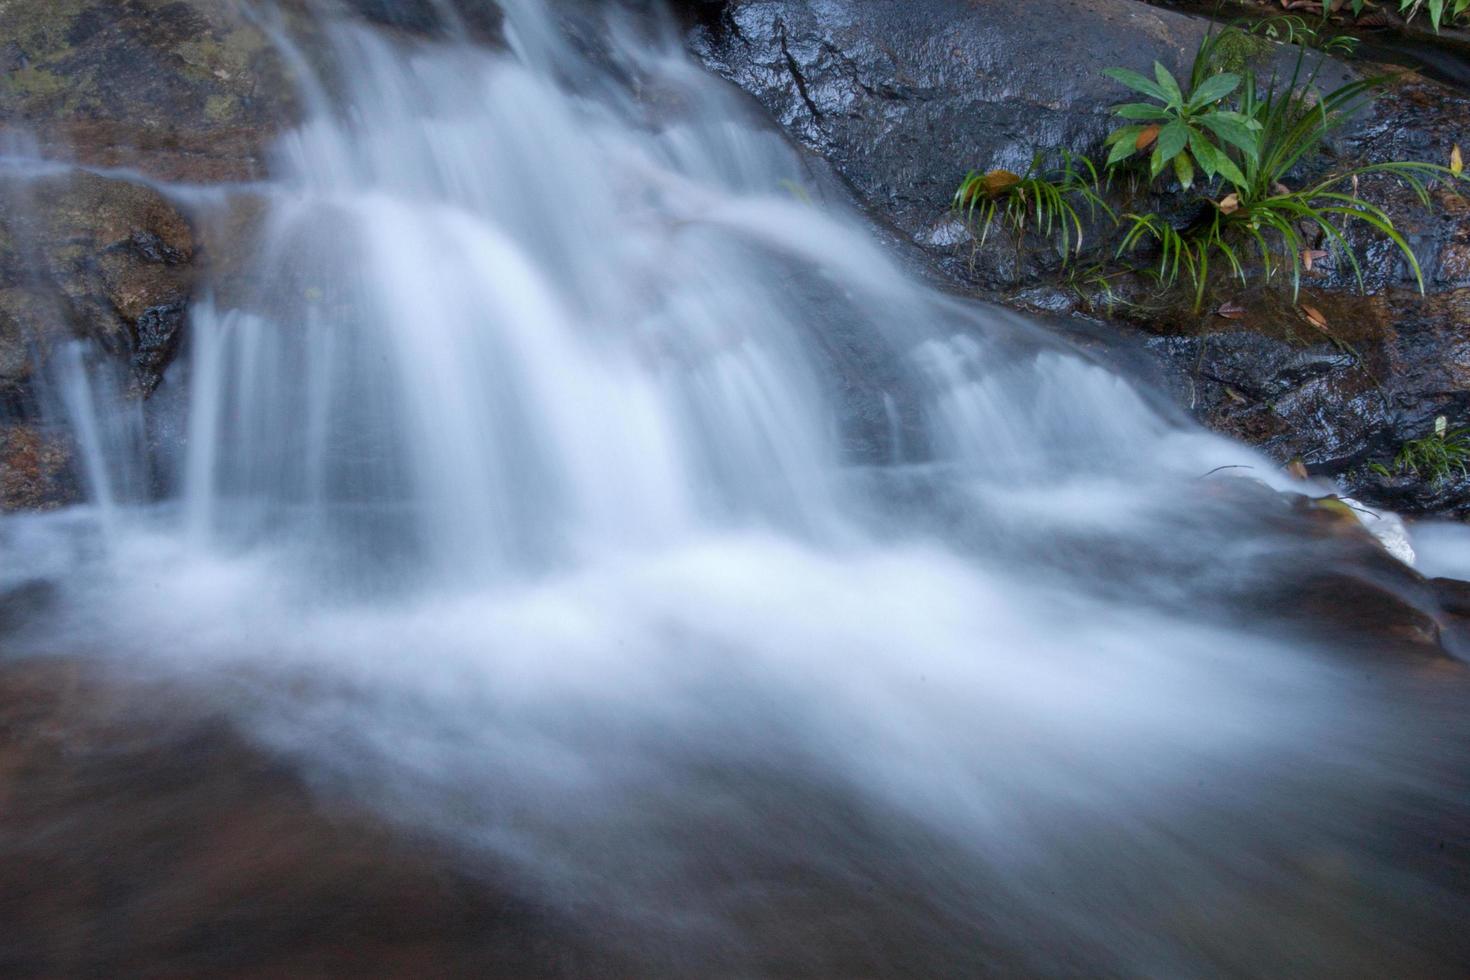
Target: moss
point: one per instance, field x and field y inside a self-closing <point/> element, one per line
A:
<point x="1237" y="50"/>
<point x="34" y="83"/>
<point x="220" y="108"/>
<point x="224" y="55"/>
<point x="41" y="29"/>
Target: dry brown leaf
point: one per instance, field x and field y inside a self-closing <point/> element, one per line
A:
<point x="1147" y="138"/>
<point x="1296" y="469"/>
<point x="1279" y="189"/>
<point x="997" y="182"/>
<point x="1311" y="256"/>
<point x="1231" y="311"/>
<point x="1457" y="160"/>
<point x="1314" y="317"/>
<point x="1229" y="204"/>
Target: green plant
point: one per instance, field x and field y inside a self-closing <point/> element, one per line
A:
<point x="1271" y="132"/>
<point x="1294" y="29"/>
<point x="1187" y="129"/>
<point x="1044" y="201"/>
<point x="1411" y="8"/>
<point x="1436" y="456"/>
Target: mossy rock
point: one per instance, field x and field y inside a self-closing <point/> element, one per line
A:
<point x="92" y="256"/>
<point x="182" y="89"/>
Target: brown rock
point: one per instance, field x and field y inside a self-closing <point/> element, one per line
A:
<point x="85" y="256"/>
<point x="35" y="469"/>
<point x="141" y="835"/>
<point x="180" y="89"/>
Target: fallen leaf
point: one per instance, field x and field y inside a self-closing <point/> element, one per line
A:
<point x="1229" y="204"/>
<point x="1457" y="160"/>
<point x="1279" y="189"/>
<point x="1314" y="317"/>
<point x="1231" y="311"/>
<point x="1296" y="469"/>
<point x="1311" y="256"/>
<point x="1148" y="137"/>
<point x="997" y="182"/>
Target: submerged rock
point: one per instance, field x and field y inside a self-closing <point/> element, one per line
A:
<point x="139" y="834"/>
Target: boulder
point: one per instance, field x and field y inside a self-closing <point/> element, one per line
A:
<point x="903" y="99"/>
<point x="85" y="256"/>
<point x="185" y="90"/>
<point x="181" y="90"/>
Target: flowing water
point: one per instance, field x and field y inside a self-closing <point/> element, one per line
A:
<point x="575" y="481"/>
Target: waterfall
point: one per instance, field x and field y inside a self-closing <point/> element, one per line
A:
<point x="579" y="483"/>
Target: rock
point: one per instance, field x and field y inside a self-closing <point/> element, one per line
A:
<point x="903" y="99"/>
<point x="1453" y="598"/>
<point x="142" y="835"/>
<point x="180" y="89"/>
<point x="1395" y="361"/>
<point x="1338" y="582"/>
<point x="24" y="603"/>
<point x="84" y="256"/>
<point x="35" y="469"/>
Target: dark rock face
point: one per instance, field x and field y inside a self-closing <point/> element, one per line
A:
<point x="904" y="98"/>
<point x="1395" y="362"/>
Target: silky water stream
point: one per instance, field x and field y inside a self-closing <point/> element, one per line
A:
<point x="573" y="481"/>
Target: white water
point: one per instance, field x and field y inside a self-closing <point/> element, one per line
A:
<point x="566" y="486"/>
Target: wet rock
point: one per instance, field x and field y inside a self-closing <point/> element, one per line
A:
<point x="1341" y="400"/>
<point x="35" y="469"/>
<point x="180" y="89"/>
<point x="22" y="604"/>
<point x="158" y="333"/>
<point x="904" y="98"/>
<point x="481" y="17"/>
<point x="1338" y="583"/>
<point x="141" y="835"/>
<point x="1453" y="597"/>
<point x="83" y="256"/>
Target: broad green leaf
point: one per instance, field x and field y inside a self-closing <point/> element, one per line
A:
<point x="1230" y="171"/>
<point x="1168" y="85"/>
<point x="1157" y="161"/>
<point x="1214" y="89"/>
<point x="1231" y="131"/>
<point x="1124" y="148"/>
<point x="1137" y="82"/>
<point x="1184" y="170"/>
<point x="1125" y="134"/>
<point x="1172" y="139"/>
<point x="1204" y="153"/>
<point x="1140" y="110"/>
